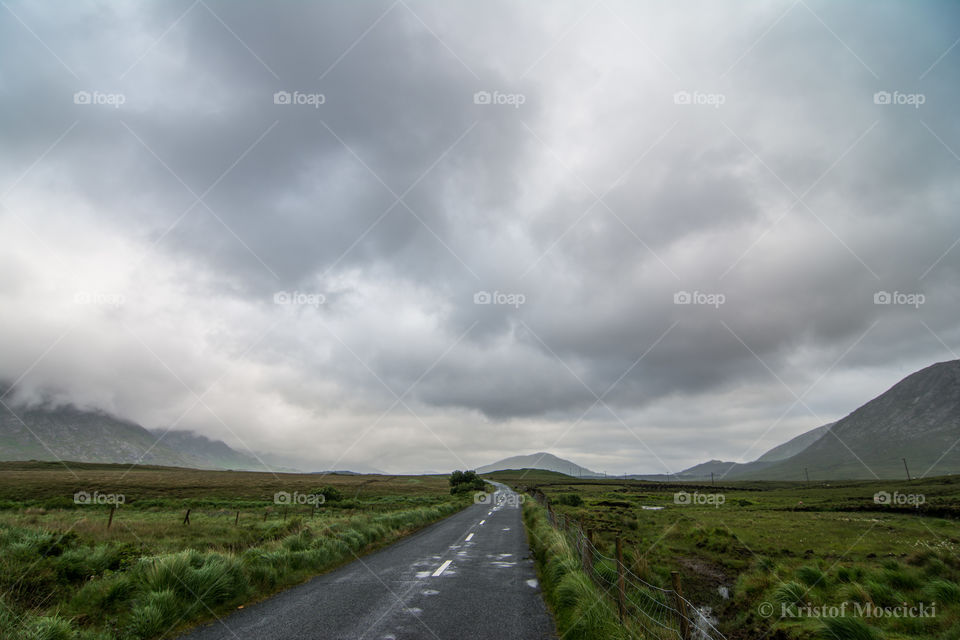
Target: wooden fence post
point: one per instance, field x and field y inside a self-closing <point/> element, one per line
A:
<point x="587" y="554"/>
<point x="621" y="589"/>
<point x="113" y="508"/>
<point x="186" y="517"/>
<point x="681" y="605"/>
<point x="236" y="520"/>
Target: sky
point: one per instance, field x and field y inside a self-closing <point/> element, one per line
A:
<point x="419" y="236"/>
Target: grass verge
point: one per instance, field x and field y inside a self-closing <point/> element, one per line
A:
<point x="781" y="560"/>
<point x="65" y="575"/>
<point x="581" y="610"/>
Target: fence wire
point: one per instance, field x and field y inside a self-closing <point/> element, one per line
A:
<point x="663" y="613"/>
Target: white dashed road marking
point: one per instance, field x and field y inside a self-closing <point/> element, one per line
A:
<point x="468" y="538"/>
<point x="442" y="568"/>
<point x="482" y="521"/>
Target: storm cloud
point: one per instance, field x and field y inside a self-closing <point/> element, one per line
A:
<point x="423" y="235"/>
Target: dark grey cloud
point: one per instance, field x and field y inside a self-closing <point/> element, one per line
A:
<point x="596" y="200"/>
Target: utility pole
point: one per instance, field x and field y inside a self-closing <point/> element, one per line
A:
<point x="907" y="468"/>
<point x="711" y="479"/>
<point x="807" y="473"/>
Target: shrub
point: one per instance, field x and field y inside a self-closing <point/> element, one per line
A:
<point x="464" y="481"/>
<point x="330" y="494"/>
<point x="569" y="499"/>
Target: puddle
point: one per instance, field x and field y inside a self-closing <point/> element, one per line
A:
<point x="705" y="624"/>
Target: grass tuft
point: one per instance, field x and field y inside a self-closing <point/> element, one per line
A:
<point x="811" y="576"/>
<point x="790" y="594"/>
<point x="845" y="629"/>
<point x="943" y="591"/>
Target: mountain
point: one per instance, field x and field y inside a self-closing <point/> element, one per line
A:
<point x="794" y="446"/>
<point x="719" y="468"/>
<point x="541" y="460"/>
<point x="917" y="419"/>
<point x="729" y="470"/>
<point x="48" y="432"/>
<point x="214" y="454"/>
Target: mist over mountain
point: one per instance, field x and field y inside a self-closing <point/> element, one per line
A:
<point x="50" y="432"/>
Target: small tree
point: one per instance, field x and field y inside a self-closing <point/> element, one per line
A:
<point x="461" y="481"/>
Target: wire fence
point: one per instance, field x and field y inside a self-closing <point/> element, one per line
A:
<point x="660" y="612"/>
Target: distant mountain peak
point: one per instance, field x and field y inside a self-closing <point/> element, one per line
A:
<point x="539" y="460"/>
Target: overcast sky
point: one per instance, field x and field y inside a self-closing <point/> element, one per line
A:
<point x="428" y="235"/>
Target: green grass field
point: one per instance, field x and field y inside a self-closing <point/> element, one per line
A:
<point x="785" y="553"/>
<point x="65" y="574"/>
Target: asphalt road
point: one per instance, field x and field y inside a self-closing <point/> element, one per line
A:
<point x="468" y="576"/>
